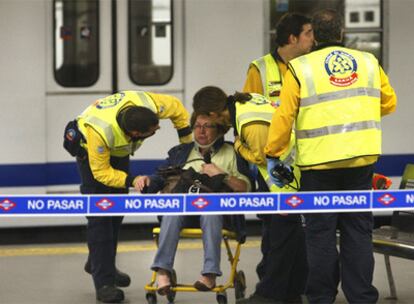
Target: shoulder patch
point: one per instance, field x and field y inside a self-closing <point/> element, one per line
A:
<point x="110" y="101"/>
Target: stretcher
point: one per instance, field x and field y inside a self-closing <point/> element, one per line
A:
<point x="236" y="280"/>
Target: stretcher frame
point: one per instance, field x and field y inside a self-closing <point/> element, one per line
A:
<point x="236" y="278"/>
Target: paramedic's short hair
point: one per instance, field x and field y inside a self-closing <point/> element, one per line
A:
<point x="290" y="24"/>
<point x="139" y="119"/>
<point x="327" y="26"/>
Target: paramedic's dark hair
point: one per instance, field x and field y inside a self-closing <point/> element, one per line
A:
<point x="139" y="119"/>
<point x="327" y="26"/>
<point x="240" y="97"/>
<point x="290" y="24"/>
<point x="209" y="99"/>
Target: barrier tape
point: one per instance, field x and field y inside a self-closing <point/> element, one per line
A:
<point x="192" y="204"/>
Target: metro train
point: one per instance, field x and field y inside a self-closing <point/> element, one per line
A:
<point x="58" y="56"/>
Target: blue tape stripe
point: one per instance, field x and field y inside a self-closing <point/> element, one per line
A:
<point x="223" y="203"/>
<point x="65" y="173"/>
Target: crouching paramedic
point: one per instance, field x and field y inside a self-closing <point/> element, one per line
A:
<point x="108" y="132"/>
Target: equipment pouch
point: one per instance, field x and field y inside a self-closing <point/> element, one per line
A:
<point x="72" y="139"/>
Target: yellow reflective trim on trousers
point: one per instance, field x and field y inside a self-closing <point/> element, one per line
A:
<point x="105" y="127"/>
<point x="316" y="99"/>
<point x="337" y="129"/>
<point x="146" y="102"/>
<point x="263" y="115"/>
<point x="122" y="248"/>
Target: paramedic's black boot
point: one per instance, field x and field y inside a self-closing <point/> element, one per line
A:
<point x="121" y="278"/>
<point x="109" y="294"/>
<point x="256" y="299"/>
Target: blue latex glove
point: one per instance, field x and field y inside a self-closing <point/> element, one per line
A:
<point x="272" y="163"/>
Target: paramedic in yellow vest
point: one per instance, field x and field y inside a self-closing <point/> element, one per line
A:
<point x="113" y="128"/>
<point x="337" y="96"/>
<point x="294" y="37"/>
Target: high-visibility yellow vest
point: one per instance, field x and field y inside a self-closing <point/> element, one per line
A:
<point x="270" y="76"/>
<point x="340" y="108"/>
<point x="261" y="109"/>
<point x="101" y="116"/>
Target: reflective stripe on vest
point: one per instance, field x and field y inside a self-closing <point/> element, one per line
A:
<point x="339" y="111"/>
<point x="254" y="116"/>
<point x="328" y="130"/>
<point x="109" y="135"/>
<point x="146" y="102"/>
<point x="270" y="76"/>
<point x="340" y="95"/>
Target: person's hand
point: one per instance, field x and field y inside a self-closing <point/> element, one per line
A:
<point x="272" y="164"/>
<point x="140" y="182"/>
<point x="211" y="169"/>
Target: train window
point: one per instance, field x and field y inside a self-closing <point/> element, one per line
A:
<point x="354" y="17"/>
<point x="369" y="16"/>
<point x="363" y="24"/>
<point x="75" y="40"/>
<point x="150" y="41"/>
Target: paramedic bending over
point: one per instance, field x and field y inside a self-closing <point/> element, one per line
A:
<point x="113" y="128"/>
<point x="208" y="139"/>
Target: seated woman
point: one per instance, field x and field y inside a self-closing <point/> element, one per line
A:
<point x="210" y="155"/>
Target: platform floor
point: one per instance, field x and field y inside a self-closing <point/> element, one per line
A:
<point x="54" y="273"/>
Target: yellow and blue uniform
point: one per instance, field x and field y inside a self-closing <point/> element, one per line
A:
<point x="255" y="133"/>
<point x="282" y="271"/>
<point x="258" y="110"/>
<point x="105" y="169"/>
<point x="335" y="97"/>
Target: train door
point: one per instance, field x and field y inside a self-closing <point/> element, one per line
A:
<point x="97" y="47"/>
<point x="149" y="57"/>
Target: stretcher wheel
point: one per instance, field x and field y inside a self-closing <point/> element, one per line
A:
<point x="151" y="298"/>
<point x="171" y="295"/>
<point x="221" y="297"/>
<point x="240" y="285"/>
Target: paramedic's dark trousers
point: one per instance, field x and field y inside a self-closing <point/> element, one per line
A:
<point x="285" y="274"/>
<point x="283" y="269"/>
<point x="354" y="265"/>
<point x="102" y="231"/>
